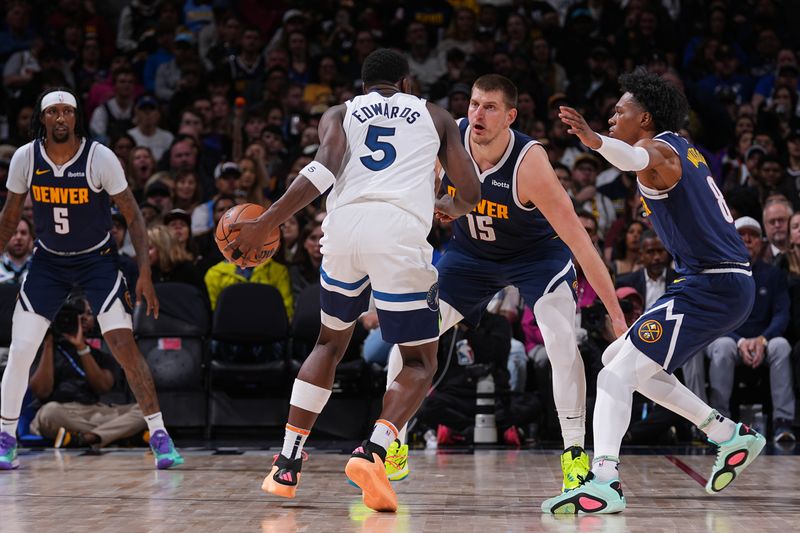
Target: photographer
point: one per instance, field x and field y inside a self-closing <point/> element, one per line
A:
<point x="69" y="380"/>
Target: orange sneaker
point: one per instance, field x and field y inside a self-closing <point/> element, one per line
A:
<point x="367" y="470"/>
<point x="284" y="477"/>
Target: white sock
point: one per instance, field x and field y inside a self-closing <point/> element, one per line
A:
<point x="605" y="468"/>
<point x="573" y="427"/>
<point x="154" y="422"/>
<point x="401" y="435"/>
<point x="293" y="441"/>
<point x="9" y="426"/>
<point x="718" y="428"/>
<point x="383" y="434"/>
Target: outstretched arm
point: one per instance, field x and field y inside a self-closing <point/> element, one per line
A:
<point x="655" y="163"/>
<point x="312" y="181"/>
<point x="537" y="183"/>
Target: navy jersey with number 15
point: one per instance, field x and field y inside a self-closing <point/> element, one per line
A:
<point x="500" y="228"/>
<point x="692" y="218"/>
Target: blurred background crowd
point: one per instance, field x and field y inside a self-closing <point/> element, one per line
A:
<point x="210" y="103"/>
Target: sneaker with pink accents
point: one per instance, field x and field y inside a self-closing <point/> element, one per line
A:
<point x="591" y="496"/>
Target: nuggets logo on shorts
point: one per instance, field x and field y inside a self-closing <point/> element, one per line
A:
<point x="432" y="298"/>
<point x="650" y="331"/>
<point x="128" y="301"/>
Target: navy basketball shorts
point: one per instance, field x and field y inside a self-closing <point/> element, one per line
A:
<point x="695" y="310"/>
<point x="383" y="253"/>
<point x="467" y="283"/>
<point x="51" y="277"/>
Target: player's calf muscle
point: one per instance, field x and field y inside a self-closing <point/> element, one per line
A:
<point x="141" y="383"/>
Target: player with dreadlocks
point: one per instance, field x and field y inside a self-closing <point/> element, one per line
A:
<point x="72" y="181"/>
<point x="712" y="297"/>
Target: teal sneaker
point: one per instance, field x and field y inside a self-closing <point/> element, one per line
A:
<point x="733" y="456"/>
<point x="8" y="452"/>
<point x="591" y="496"/>
<point x="164" y="450"/>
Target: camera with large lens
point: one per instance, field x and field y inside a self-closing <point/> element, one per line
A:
<point x="593" y="318"/>
<point x="67" y="319"/>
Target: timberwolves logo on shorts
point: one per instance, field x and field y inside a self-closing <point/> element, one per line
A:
<point x="432" y="297"/>
<point x="650" y="331"/>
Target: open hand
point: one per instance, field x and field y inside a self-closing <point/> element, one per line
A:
<point x="579" y="127"/>
<point x="145" y="289"/>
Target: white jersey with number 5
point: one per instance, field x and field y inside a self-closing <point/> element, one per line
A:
<point x="392" y="148"/>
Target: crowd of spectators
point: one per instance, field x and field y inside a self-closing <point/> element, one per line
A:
<point x="210" y="103"/>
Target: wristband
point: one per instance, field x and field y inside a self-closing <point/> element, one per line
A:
<point x="85" y="350"/>
<point x="319" y="175"/>
<point x="622" y="155"/>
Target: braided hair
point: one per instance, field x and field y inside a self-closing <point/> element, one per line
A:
<point x="37" y="129"/>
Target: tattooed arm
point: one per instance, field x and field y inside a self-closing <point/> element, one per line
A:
<point x="144" y="286"/>
<point x="10" y="216"/>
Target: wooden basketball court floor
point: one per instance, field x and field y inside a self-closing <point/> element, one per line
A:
<point x="485" y="491"/>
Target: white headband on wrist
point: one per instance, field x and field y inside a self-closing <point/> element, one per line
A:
<point x="58" y="97"/>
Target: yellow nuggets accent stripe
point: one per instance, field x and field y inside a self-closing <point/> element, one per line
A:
<point x="646" y="207"/>
<point x="485" y="207"/>
<point x="60" y="195"/>
<point x="695" y="157"/>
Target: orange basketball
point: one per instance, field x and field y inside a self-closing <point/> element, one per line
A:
<point x="223" y="235"/>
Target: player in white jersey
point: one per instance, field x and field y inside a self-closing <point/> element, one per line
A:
<point x="378" y="151"/>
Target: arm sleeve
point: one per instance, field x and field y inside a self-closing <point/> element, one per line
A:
<point x="19" y="170"/>
<point x="107" y="171"/>
<point x="622" y="155"/>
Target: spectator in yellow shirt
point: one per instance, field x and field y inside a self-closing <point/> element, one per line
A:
<point x="225" y="274"/>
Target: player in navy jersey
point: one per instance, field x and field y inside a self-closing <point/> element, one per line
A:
<point x="712" y="296"/>
<point x="524" y="232"/>
<point x="72" y="181"/>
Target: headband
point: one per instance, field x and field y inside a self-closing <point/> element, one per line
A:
<point x="58" y="97"/>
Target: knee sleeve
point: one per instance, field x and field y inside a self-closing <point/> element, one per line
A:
<point x="27" y="333"/>
<point x="309" y="396"/>
<point x="630" y="367"/>
<point x="555" y="313"/>
<point x="613" y="349"/>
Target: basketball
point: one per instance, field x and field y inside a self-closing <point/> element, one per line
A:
<point x="224" y="235"/>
